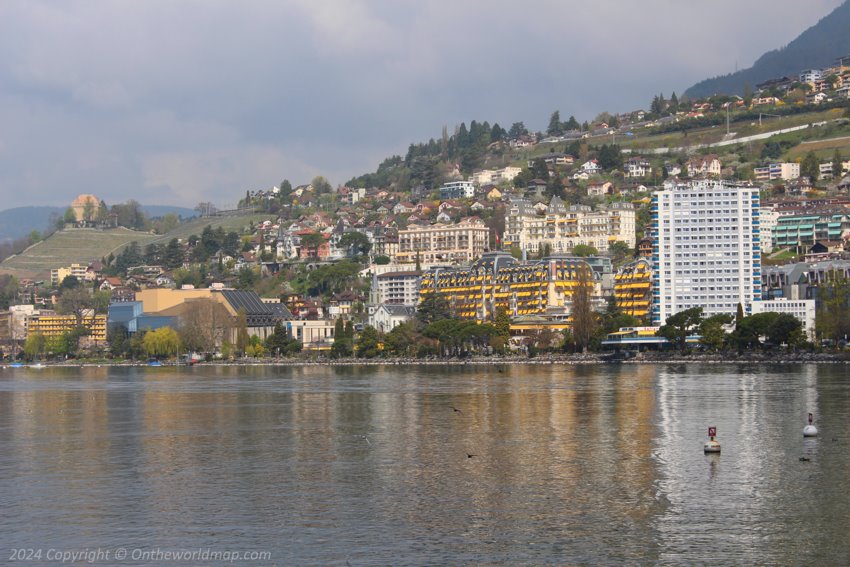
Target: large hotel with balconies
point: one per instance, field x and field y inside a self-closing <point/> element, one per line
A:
<point x="706" y="249"/>
<point x="562" y="227"/>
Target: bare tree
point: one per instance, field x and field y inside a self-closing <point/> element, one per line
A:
<point x="204" y="325"/>
<point x="583" y="316"/>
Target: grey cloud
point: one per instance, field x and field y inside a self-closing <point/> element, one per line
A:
<point x="184" y="101"/>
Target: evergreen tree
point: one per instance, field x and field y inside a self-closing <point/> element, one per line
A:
<point x="555" y="128"/>
<point x="836" y="165"/>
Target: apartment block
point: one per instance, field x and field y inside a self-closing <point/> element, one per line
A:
<point x="457" y="190"/>
<point x="706" y="250"/>
<point x="59" y="274"/>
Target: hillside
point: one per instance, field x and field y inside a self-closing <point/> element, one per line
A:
<point x="20" y="221"/>
<point x="84" y="245"/>
<point x="79" y="245"/>
<point x="815" y="48"/>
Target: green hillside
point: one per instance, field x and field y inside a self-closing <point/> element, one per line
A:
<point x="85" y="245"/>
<point x="79" y="245"/>
<point x="195" y="226"/>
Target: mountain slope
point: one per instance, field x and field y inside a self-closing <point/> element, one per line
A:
<point x="815" y="48"/>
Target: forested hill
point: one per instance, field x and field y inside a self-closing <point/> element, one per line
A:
<point x="427" y="165"/>
<point x="815" y="48"/>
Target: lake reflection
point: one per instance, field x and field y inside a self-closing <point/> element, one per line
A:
<point x="321" y="465"/>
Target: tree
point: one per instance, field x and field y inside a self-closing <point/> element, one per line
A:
<point x="70" y="216"/>
<point x="242" y="337"/>
<point x="832" y="320"/>
<point x="204" y="325"/>
<point x="517" y="129"/>
<point x="572" y="124"/>
<point x="619" y="252"/>
<point x="554" y="127"/>
<point x="88" y="211"/>
<point x="678" y="326"/>
<point x="403" y="340"/>
<point x="433" y="307"/>
<point x="355" y="243"/>
<point x="70" y="282"/>
<point x="584" y="250"/>
<point x="280" y="343"/>
<point x="711" y="330"/>
<point x="382" y="260"/>
<point x="173" y="254"/>
<point x="582" y="314"/>
<point x="77" y="301"/>
<point x="367" y="343"/>
<point x="161" y="342"/>
<point x="34" y="345"/>
<point x="810" y="166"/>
<point x="321" y="185"/>
<point x="837" y="167"/>
<point x="206" y="209"/>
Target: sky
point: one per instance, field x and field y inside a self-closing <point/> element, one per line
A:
<point x="175" y="102"/>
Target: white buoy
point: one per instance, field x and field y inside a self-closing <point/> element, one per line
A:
<point x="810" y="430"/>
<point x="711" y="446"/>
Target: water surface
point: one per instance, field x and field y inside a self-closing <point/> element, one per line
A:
<point x="572" y="465"/>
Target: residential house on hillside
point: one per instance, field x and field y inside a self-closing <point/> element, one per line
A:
<point x="591" y="167"/>
<point x="637" y="167"/>
<point x="599" y="188"/>
<point x="704" y="165"/>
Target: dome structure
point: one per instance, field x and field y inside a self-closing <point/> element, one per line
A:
<point x="79" y="206"/>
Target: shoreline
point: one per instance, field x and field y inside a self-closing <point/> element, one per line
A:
<point x="563" y="359"/>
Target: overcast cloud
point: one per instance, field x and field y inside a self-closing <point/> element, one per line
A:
<point x="177" y="102"/>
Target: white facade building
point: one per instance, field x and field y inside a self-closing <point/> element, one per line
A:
<point x="487" y="176"/>
<point x="396" y="288"/>
<point x="802" y="309"/>
<point x="457" y="190"/>
<point x="767" y="222"/>
<point x="562" y="228"/>
<point x="707" y="250"/>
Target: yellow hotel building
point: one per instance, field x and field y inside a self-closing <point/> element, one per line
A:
<point x="53" y="325"/>
<point x="632" y="288"/>
<point x="499" y="281"/>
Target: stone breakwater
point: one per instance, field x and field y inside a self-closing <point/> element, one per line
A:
<point x="589" y="358"/>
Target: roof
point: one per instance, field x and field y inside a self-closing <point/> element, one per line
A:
<point x="400" y="274"/>
<point x="399" y="310"/>
<point x="258" y="313"/>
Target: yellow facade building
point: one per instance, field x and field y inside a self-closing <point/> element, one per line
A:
<point x="50" y="324"/>
<point x="633" y="288"/>
<point x="499" y="281"/>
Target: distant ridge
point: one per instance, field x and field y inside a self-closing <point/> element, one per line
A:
<point x="20" y="221"/>
<point x="817" y="47"/>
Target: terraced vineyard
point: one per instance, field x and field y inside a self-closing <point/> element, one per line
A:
<point x="65" y="247"/>
<point x="84" y="245"/>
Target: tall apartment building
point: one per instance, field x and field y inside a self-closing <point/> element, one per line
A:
<point x="562" y="227"/>
<point x="395" y="288"/>
<point x="459" y="243"/>
<point x="707" y="249"/>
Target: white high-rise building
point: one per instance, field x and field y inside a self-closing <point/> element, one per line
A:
<point x="706" y="250"/>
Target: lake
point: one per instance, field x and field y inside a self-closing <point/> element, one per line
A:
<point x="371" y="465"/>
